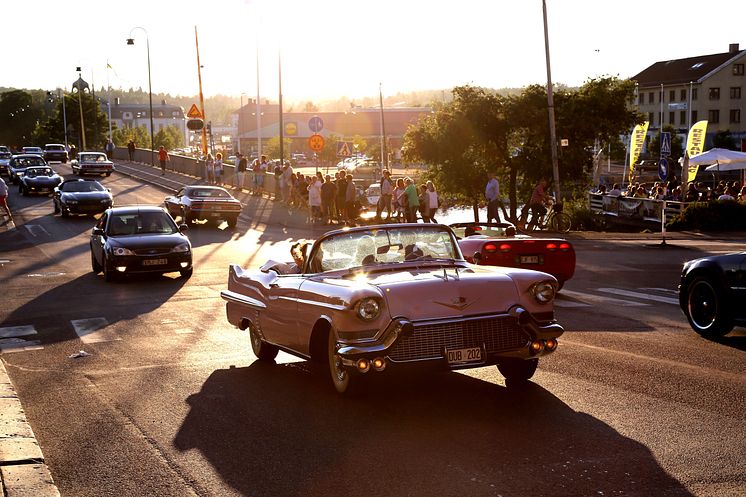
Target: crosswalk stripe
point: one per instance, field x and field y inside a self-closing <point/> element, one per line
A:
<point x="600" y="299"/>
<point x="638" y="295"/>
<point x="569" y="303"/>
<point x="88" y="330"/>
<point x="17" y="331"/>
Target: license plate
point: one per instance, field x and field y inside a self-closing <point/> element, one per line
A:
<point x="461" y="356"/>
<point x="529" y="259"/>
<point x="154" y="262"/>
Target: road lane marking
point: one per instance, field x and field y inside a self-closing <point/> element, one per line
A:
<point x="17" y="331"/>
<point x="559" y="302"/>
<point x="600" y="299"/>
<point x="88" y="330"/>
<point x="638" y="295"/>
<point x="33" y="228"/>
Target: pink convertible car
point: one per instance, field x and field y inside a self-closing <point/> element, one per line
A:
<point x="370" y="299"/>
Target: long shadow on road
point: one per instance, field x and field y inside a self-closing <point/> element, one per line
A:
<point x="279" y="430"/>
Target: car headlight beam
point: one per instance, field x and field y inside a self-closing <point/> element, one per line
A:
<point x="544" y="291"/>
<point x="368" y="308"/>
<point x="122" y="251"/>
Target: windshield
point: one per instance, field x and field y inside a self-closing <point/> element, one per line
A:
<point x="28" y="161"/>
<point x="83" y="186"/>
<point x="38" y="171"/>
<point x="383" y="246"/>
<point x="92" y="157"/>
<point x="137" y="223"/>
<point x="55" y="148"/>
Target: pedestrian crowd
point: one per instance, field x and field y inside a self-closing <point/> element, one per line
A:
<point x="672" y="191"/>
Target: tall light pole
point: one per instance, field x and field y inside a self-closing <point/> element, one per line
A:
<point x="384" y="155"/>
<point x="550" y="105"/>
<point x="64" y="115"/>
<point x="131" y="41"/>
<point x="282" y="148"/>
<point x="80" y="105"/>
<point x="201" y="99"/>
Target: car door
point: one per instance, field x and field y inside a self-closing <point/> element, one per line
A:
<point x="98" y="239"/>
<point x="739" y="286"/>
<point x="279" y="322"/>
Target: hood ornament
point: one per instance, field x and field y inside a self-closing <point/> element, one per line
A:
<point x="459" y="303"/>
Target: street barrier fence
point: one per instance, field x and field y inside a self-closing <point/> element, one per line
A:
<point x="632" y="209"/>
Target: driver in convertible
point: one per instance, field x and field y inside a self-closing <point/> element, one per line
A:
<point x="298" y="252"/>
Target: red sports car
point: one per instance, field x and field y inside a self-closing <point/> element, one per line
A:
<point x="497" y="244"/>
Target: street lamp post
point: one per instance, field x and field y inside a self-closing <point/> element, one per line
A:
<point x="64" y="115"/>
<point x="80" y="105"/>
<point x="550" y="105"/>
<point x="131" y="41"/>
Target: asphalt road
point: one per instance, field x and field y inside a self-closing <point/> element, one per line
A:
<point x="170" y="401"/>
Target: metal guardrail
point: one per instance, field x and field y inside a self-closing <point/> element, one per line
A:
<point x="632" y="209"/>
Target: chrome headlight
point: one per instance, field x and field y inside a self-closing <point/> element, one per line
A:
<point x="122" y="251"/>
<point x="180" y="248"/>
<point x="368" y="309"/>
<point x="543" y="292"/>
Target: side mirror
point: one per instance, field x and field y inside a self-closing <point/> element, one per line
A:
<point x="98" y="231"/>
<point x="477" y="257"/>
<point x="183" y="228"/>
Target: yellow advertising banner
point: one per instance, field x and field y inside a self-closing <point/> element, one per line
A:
<point x="695" y="142"/>
<point x="637" y="141"/>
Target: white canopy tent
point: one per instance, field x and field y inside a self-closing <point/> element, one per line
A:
<point x="720" y="159"/>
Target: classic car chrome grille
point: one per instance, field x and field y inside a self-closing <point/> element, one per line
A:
<point x="429" y="340"/>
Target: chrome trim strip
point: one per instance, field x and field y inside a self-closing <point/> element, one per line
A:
<point x="237" y="298"/>
<point x="316" y="303"/>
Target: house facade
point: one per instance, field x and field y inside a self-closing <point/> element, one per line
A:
<point x="134" y="115"/>
<point x="681" y="92"/>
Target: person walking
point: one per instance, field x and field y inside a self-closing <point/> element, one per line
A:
<point x="424" y="204"/>
<point x="350" y="197"/>
<point x="341" y="193"/>
<point x="4" y="200"/>
<point x="241" y="170"/>
<point x="432" y="201"/>
<point x="210" y="169"/>
<point x="492" y="193"/>
<point x="400" y="201"/>
<point x="328" y="194"/>
<point x="109" y="149"/>
<point x="413" y="200"/>
<point x="163" y="158"/>
<point x="218" y="169"/>
<point x="384" y="201"/>
<point x="131" y="150"/>
<point x="314" y="197"/>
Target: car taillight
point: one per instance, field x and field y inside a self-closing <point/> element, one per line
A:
<point x="489" y="247"/>
<point x="551" y="247"/>
<point x="564" y="247"/>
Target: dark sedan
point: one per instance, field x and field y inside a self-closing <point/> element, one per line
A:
<point x="39" y="179"/>
<point x="81" y="196"/>
<point x="19" y="163"/>
<point x="204" y="202"/>
<point x="139" y="239"/>
<point x="712" y="293"/>
<point x="55" y="152"/>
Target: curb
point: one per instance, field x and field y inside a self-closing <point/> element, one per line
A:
<point x="22" y="469"/>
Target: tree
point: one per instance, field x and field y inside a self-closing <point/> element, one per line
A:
<point x="139" y="135"/>
<point x="272" y="148"/>
<point x="723" y="139"/>
<point x="95" y="119"/>
<point x="461" y="141"/>
<point x="677" y="144"/>
<point x="169" y="137"/>
<point x="19" y="115"/>
<point x="328" y="154"/>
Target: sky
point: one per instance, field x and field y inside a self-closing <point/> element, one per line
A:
<point x="332" y="48"/>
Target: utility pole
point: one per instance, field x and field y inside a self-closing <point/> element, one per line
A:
<point x="384" y="154"/>
<point x="282" y="145"/>
<point x="80" y="105"/>
<point x="550" y="105"/>
<point x="201" y="98"/>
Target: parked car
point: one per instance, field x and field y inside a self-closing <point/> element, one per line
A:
<point x="204" y="202"/>
<point x="497" y="244"/>
<point x="5" y="156"/>
<point x="373" y="194"/>
<point x="32" y="150"/>
<point x="39" y="179"/>
<point x="91" y="163"/>
<point x="712" y="292"/>
<point x="374" y="298"/>
<point x="81" y="196"/>
<point x="19" y="163"/>
<point x="55" y="152"/>
<point x="299" y="160"/>
<point x="139" y="239"/>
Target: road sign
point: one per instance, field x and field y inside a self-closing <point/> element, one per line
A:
<point x="194" y="112"/>
<point x="344" y="149"/>
<point x="665" y="144"/>
<point x="316" y="142"/>
<point x="663" y="169"/>
<point x="291" y="129"/>
<point x="316" y="124"/>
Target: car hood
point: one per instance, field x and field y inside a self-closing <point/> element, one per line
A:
<point x="42" y="179"/>
<point x="149" y="240"/>
<point x="85" y="195"/>
<point x="441" y="292"/>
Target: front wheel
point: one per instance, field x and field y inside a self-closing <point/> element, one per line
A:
<point x="186" y="273"/>
<point x="110" y="274"/>
<point x="517" y="371"/>
<point x="108" y="174"/>
<point x="262" y="350"/>
<point x="232" y="221"/>
<point x="561" y="222"/>
<point x="342" y="379"/>
<point x="705" y="309"/>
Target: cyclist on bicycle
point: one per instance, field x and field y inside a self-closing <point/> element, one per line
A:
<point x="537" y="203"/>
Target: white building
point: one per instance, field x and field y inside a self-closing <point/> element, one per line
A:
<point x="133" y="115"/>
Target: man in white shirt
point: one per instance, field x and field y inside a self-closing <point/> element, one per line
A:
<point x="384" y="201"/>
<point x="492" y="193"/>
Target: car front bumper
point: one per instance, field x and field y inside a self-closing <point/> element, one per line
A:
<point x="162" y="263"/>
<point x="86" y="208"/>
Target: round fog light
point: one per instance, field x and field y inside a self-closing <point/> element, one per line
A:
<point x="363" y="365"/>
<point x="121" y="269"/>
<point x="536" y="346"/>
<point x="184" y="264"/>
<point x="551" y="344"/>
<point x="379" y="364"/>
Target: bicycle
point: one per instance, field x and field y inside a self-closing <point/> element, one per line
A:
<point x="553" y="220"/>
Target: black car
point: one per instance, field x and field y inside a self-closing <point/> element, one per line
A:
<point x="18" y="164"/>
<point x="139" y="239"/>
<point x="712" y="293"/>
<point x="81" y="196"/>
<point x="204" y="202"/>
<point x="39" y="179"/>
<point x="55" y="152"/>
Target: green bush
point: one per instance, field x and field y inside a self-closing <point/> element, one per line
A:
<point x="711" y="216"/>
<point x="582" y="217"/>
